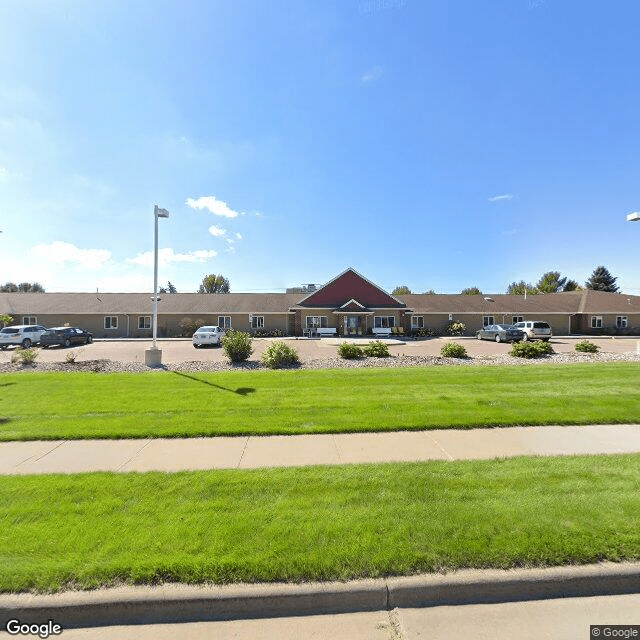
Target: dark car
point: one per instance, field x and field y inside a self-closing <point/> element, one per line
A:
<point x="500" y="333"/>
<point x="65" y="336"/>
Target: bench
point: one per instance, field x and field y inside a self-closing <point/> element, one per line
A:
<point x="325" y="331"/>
<point x="381" y="332"/>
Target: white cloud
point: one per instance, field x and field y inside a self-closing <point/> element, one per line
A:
<point x="216" y="231"/>
<point x="502" y="198"/>
<point x="167" y="256"/>
<point x="61" y="252"/>
<point x="238" y="236"/>
<point x="215" y="206"/>
<point x="372" y="75"/>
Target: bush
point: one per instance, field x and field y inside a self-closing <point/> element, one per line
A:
<point x="423" y="333"/>
<point x="70" y="357"/>
<point x="456" y="328"/>
<point x="587" y="347"/>
<point x="350" y="351"/>
<point x="531" y="349"/>
<point x="376" y="349"/>
<point x="278" y="355"/>
<point x="268" y="333"/>
<point x="237" y="345"/>
<point x="24" y="356"/>
<point x="453" y="350"/>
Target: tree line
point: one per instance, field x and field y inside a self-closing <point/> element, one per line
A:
<point x="550" y="282"/>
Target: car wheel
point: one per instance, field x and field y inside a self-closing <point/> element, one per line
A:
<point x="26" y="343"/>
<point x="478" y="336"/>
<point x="498" y="338"/>
<point x="67" y="343"/>
<point x="89" y="339"/>
<point x="525" y="337"/>
<point x="3" y="347"/>
<point x="196" y="346"/>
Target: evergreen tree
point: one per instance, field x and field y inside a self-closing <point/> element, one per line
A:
<point x="551" y="282"/>
<point x="571" y="285"/>
<point x="602" y="280"/>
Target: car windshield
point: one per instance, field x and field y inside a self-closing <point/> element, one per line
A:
<point x="505" y="327"/>
<point x="203" y="329"/>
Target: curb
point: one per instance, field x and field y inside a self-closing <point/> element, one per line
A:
<point x="183" y="603"/>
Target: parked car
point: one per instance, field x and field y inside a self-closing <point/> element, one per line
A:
<point x="500" y="333"/>
<point x="23" y="335"/>
<point x="208" y="336"/>
<point x="535" y="330"/>
<point x="65" y="337"/>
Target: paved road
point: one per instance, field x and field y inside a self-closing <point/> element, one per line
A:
<point x="247" y="452"/>
<point x="561" y="619"/>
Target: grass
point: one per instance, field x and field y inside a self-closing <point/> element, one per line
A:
<point x="90" y="530"/>
<point x="165" y="404"/>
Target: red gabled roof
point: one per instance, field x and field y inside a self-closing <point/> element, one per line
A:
<point x="350" y="285"/>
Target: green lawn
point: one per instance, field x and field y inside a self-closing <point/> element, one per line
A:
<point x="341" y="522"/>
<point x="120" y="405"/>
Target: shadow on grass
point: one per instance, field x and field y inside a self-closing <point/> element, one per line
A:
<point x="241" y="391"/>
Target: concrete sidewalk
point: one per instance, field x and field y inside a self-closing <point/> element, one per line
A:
<point x="248" y="452"/>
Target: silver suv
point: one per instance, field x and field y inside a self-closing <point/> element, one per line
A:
<point x="534" y="330"/>
<point x="23" y="335"/>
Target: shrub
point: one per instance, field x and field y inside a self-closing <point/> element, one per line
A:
<point x="237" y="345"/>
<point x="530" y="349"/>
<point x="456" y="328"/>
<point x="423" y="333"/>
<point x="453" y="350"/>
<point x="188" y="326"/>
<point x="278" y="355"/>
<point x="350" y="351"/>
<point x="70" y="357"/>
<point x="376" y="349"/>
<point x="268" y="333"/>
<point x="24" y="356"/>
<point x="587" y="347"/>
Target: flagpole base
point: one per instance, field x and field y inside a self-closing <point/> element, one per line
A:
<point x="153" y="357"/>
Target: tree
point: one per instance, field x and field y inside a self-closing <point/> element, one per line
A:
<point x="431" y="292"/>
<point x="521" y="288"/>
<point x="214" y="284"/>
<point x="168" y="289"/>
<point x="23" y="287"/>
<point x="402" y="290"/>
<point x="602" y="280"/>
<point x="551" y="282"/>
<point x="5" y="319"/>
<point x="571" y="285"/>
<point x="471" y="291"/>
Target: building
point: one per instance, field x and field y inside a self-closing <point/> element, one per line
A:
<point x="349" y="303"/>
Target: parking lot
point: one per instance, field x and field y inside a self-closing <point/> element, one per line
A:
<point x="182" y="350"/>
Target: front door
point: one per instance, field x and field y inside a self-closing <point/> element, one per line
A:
<point x="352" y="325"/>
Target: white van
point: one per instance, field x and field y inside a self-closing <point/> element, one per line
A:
<point x="534" y="330"/>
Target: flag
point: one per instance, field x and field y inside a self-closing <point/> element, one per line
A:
<point x="161" y="213"/>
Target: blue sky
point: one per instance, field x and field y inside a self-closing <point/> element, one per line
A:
<point x="438" y="145"/>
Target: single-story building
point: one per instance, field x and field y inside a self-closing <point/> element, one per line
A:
<point x="350" y="304"/>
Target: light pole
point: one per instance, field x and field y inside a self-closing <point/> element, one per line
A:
<point x="634" y="216"/>
<point x="153" y="356"/>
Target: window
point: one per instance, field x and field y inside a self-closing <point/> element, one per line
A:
<point x="111" y="322"/>
<point x="516" y="319"/>
<point x="144" y="322"/>
<point x="596" y="322"/>
<point x="224" y="322"/>
<point x="257" y="322"/>
<point x="313" y="322"/>
<point x="29" y="320"/>
<point x="417" y="322"/>
<point x="621" y="322"/>
<point x="487" y="320"/>
<point x="384" y="322"/>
